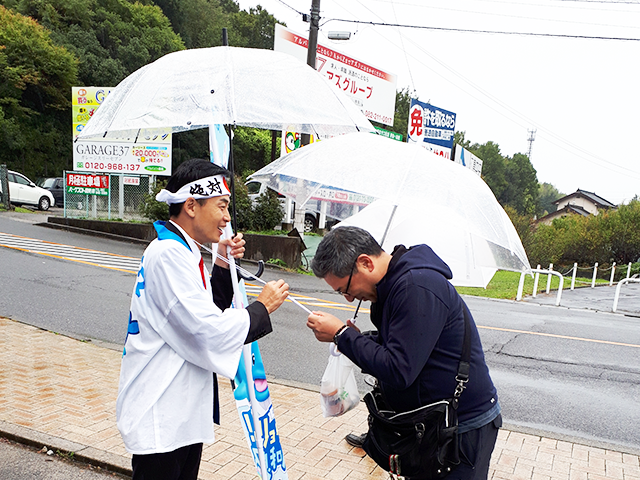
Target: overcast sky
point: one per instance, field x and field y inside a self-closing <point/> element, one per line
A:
<point x="580" y="94"/>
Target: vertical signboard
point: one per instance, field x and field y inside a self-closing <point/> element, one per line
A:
<point x="431" y="127"/>
<point x="467" y="159"/>
<point x="85" y="102"/>
<point x="149" y="155"/>
<point x="370" y="88"/>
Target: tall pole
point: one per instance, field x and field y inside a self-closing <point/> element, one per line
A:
<point x="314" y="25"/>
<point x="313" y="33"/>
<point x="225" y="43"/>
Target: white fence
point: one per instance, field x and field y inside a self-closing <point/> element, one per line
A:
<point x="537" y="272"/>
<point x="573" y="271"/>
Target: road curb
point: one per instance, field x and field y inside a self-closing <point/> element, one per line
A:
<point x="81" y="453"/>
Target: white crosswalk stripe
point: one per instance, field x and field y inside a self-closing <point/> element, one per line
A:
<point x="69" y="252"/>
<point x="126" y="264"/>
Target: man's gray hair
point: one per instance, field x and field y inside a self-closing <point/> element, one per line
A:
<point x="339" y="249"/>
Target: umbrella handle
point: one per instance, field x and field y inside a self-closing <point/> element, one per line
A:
<point x="253" y="276"/>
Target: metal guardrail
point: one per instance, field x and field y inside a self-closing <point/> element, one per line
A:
<point x="619" y="287"/>
<point x="537" y="272"/>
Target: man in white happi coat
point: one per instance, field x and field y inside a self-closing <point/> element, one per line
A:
<point x="181" y="330"/>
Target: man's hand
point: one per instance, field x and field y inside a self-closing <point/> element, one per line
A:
<point x="324" y="325"/>
<point x="273" y="295"/>
<point x="237" y="249"/>
<point x="350" y="323"/>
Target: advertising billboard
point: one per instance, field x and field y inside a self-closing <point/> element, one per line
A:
<point x="370" y="88"/>
<point x="149" y="155"/>
<point x="467" y="159"/>
<point x="431" y="127"/>
<point x="87" y="184"/>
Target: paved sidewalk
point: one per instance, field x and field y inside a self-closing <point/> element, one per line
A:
<point x="60" y="392"/>
<point x="599" y="298"/>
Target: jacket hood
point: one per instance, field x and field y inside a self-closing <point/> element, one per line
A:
<point x="416" y="257"/>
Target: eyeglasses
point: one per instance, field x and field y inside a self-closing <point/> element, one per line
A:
<point x="346" y="290"/>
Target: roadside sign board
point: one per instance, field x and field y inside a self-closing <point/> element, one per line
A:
<point x="467" y="159"/>
<point x="87" y="184"/>
<point x="148" y="155"/>
<point x="389" y="134"/>
<point x="370" y="88"/>
<point x="431" y="127"/>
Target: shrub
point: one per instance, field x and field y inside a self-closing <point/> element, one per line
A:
<point x="153" y="209"/>
<point x="267" y="212"/>
<point x="264" y="215"/>
<point x="244" y="210"/>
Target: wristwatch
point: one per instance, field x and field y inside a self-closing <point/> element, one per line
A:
<point x="338" y="333"/>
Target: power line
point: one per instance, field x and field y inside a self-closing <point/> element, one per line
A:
<point x="514" y="116"/>
<point x="406" y="58"/>
<point x="531" y="34"/>
<point x="551" y="137"/>
<point x="601" y="1"/>
<point x="506" y="15"/>
<point x="289" y="6"/>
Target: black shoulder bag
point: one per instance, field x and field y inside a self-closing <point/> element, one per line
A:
<point x="421" y="443"/>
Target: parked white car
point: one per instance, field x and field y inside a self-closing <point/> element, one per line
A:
<point x="24" y="192"/>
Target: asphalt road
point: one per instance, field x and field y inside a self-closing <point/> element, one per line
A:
<point x="571" y="371"/>
<point x="18" y="462"/>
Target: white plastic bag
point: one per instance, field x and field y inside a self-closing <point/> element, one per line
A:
<point x="338" y="389"/>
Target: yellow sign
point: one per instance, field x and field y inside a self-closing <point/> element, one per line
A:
<point x="84" y="102"/>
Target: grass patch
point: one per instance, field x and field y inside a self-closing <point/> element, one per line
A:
<point x="24" y="210"/>
<point x="304" y="271"/>
<point x="280" y="263"/>
<point x="279" y="233"/>
<point x="505" y="285"/>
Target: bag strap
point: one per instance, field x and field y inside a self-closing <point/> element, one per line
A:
<point x="464" y="366"/>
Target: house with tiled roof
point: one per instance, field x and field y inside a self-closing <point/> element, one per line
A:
<point x="580" y="202"/>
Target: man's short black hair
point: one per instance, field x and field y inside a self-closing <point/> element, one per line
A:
<point x="190" y="171"/>
<point x="339" y="250"/>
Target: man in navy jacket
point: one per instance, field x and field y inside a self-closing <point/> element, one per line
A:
<point x="415" y="353"/>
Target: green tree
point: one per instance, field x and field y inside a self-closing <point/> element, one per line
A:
<point x="624" y="232"/>
<point x="36" y="77"/>
<point x="268" y="212"/>
<point x="254" y="28"/>
<point x="521" y="191"/>
<point x="493" y="167"/>
<point x="523" y="225"/>
<point x="111" y="38"/>
<point x="200" y="23"/>
<point x="459" y="139"/>
<point x="251" y="149"/>
<point x="547" y="195"/>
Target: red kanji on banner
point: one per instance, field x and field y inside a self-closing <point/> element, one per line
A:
<point x="416" y="122"/>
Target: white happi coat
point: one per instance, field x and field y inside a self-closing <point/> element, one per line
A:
<point x="176" y="338"/>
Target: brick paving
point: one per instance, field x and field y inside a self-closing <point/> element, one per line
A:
<point x="63" y="390"/>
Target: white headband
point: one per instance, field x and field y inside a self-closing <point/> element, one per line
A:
<point x="208" y="187"/>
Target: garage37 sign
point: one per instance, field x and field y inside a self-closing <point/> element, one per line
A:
<point x="115" y="157"/>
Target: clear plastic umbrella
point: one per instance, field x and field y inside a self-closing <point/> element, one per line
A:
<point x="197" y="88"/>
<point x="403" y="194"/>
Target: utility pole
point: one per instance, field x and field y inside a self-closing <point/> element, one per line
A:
<point x="532" y="137"/>
<point x="314" y="25"/>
